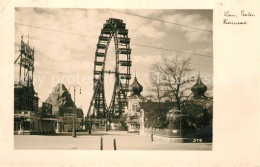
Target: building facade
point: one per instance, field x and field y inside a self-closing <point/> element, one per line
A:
<point x="28" y="118"/>
<point x="198" y="113"/>
<point x="63" y="109"/>
<point x="133" y="110"/>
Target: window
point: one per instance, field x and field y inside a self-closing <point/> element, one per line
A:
<point x="132" y="126"/>
<point x="134" y="107"/>
<point x="26" y="125"/>
<point x="16" y="126"/>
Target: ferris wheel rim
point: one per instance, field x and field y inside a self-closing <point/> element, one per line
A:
<point x="120" y="36"/>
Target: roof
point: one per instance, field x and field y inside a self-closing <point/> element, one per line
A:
<point x="136" y="88"/>
<point x="199" y="89"/>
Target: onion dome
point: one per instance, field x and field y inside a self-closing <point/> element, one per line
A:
<point x="136" y="88"/>
<point x="199" y="89"/>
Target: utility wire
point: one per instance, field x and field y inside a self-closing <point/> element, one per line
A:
<point x="161" y="20"/>
<point x="172" y="50"/>
<point x="210" y="66"/>
<point x="55" y="30"/>
<point x="141" y="45"/>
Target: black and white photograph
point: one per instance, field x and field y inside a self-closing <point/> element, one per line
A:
<point x="130" y="83"/>
<point x="108" y="79"/>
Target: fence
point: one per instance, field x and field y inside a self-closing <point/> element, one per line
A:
<point x="162" y="132"/>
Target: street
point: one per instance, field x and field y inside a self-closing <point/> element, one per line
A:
<point x="84" y="141"/>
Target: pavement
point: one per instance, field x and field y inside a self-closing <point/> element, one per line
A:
<point x="84" y="141"/>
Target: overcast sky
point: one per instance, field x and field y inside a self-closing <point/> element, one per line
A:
<point x="63" y="57"/>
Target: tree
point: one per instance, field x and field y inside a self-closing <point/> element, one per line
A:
<point x="156" y="88"/>
<point x="198" y="118"/>
<point x="157" y="91"/>
<point x="154" y="119"/>
<point x="172" y="75"/>
<point x="122" y="120"/>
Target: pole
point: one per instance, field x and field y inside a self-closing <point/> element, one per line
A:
<point x="169" y="128"/>
<point x="101" y="143"/>
<point x="74" y="110"/>
<point x="180" y="124"/>
<point x="99" y="125"/>
<point x="180" y="130"/>
<point x="20" y="72"/>
<point x="90" y="126"/>
<point x="106" y="128"/>
<point x="114" y="144"/>
<point x="33" y="65"/>
<point x="73" y="128"/>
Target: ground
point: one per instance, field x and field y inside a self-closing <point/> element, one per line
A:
<point x="84" y="141"/>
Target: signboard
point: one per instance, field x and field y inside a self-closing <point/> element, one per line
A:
<point x="174" y="131"/>
<point x="28" y="58"/>
<point x="25" y="49"/>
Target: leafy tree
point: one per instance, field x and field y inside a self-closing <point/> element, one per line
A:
<point x="155" y="117"/>
<point x="122" y="120"/>
<point x="198" y="116"/>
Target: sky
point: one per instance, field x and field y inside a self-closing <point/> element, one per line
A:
<point x="65" y="54"/>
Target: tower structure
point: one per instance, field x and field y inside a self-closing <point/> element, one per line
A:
<point x="198" y="111"/>
<point x="133" y="109"/>
<point x="25" y="95"/>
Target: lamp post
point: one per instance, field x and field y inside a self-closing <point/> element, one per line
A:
<point x="74" y="113"/>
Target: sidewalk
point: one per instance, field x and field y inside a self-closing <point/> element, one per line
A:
<point x="84" y="141"/>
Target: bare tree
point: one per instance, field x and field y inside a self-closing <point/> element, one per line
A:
<point x="156" y="89"/>
<point x="173" y="74"/>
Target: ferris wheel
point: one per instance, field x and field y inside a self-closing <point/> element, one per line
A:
<point x="113" y="29"/>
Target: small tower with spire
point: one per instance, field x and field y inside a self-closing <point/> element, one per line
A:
<point x="135" y="88"/>
<point x="133" y="108"/>
<point x="199" y="89"/>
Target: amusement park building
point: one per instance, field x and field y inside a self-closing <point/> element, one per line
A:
<point x="134" y="114"/>
<point x="63" y="107"/>
<point x="28" y="118"/>
<point x="138" y="106"/>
